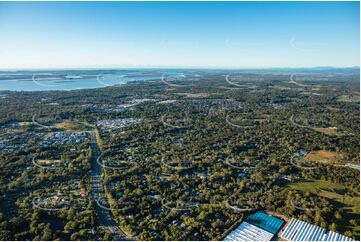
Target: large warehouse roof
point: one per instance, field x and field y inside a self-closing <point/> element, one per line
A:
<point x="298" y="230"/>
<point x="260" y="226"/>
<point x="248" y="232"/>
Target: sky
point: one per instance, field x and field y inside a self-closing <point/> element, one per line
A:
<point x="179" y="34"/>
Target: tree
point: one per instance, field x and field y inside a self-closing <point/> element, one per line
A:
<point x="47" y="234"/>
<point x="71" y="213"/>
<point x="348" y="233"/>
<point x="353" y="222"/>
<point x="338" y="215"/>
<point x="74" y="236"/>
<point x="106" y="236"/>
<point x="333" y="227"/>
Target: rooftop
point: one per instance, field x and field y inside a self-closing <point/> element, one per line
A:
<point x="257" y="227"/>
<point x="298" y="230"/>
<point x="266" y="222"/>
<point x="248" y="232"/>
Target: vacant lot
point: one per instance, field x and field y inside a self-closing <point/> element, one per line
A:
<point x="349" y="98"/>
<point x="67" y="125"/>
<point x="194" y="95"/>
<point x="47" y="162"/>
<point x="329" y="131"/>
<point x="324" y="156"/>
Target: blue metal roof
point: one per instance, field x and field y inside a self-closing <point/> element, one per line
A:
<point x="266" y="222"/>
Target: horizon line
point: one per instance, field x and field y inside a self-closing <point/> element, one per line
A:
<point x="174" y="67"/>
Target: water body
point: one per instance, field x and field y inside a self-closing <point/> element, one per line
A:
<point x="49" y="81"/>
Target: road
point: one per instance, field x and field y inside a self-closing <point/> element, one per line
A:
<point x="103" y="216"/>
<point x="299" y="125"/>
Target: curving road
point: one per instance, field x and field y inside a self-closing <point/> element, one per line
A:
<point x="103" y="216"/>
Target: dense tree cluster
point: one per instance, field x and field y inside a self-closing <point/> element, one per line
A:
<point x="200" y="155"/>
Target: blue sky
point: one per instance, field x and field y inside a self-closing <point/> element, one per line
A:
<point x="179" y="34"/>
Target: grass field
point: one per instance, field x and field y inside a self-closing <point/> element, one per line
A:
<point x="67" y="125"/>
<point x="329" y="131"/>
<point x="349" y="98"/>
<point x="324" y="156"/>
<point x="22" y="124"/>
<point x="47" y="162"/>
<point x="336" y="192"/>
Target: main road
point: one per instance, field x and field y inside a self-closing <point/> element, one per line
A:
<point x="103" y="212"/>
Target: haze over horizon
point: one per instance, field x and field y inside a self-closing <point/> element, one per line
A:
<point x="172" y="68"/>
<point x="56" y="35"/>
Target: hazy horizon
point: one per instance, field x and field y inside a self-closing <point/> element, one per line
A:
<point x="175" y="67"/>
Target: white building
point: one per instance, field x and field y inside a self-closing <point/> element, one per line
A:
<point x="297" y="230"/>
<point x="248" y="232"/>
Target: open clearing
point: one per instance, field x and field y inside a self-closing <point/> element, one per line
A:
<point x="47" y="162"/>
<point x="324" y="156"/>
<point x="349" y="98"/>
<point x="329" y="131"/>
<point x="194" y="95"/>
<point x="336" y="193"/>
<point x="329" y="190"/>
<point x="67" y="125"/>
<point x="22" y="124"/>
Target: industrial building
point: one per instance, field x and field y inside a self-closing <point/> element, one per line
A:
<point x="261" y="226"/>
<point x="258" y="227"/>
<point x="297" y="230"/>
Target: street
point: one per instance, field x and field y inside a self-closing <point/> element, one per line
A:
<point x="103" y="215"/>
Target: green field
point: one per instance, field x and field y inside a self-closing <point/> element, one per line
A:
<point x="325" y="156"/>
<point x="349" y="98"/>
<point x="329" y="131"/>
<point x="67" y="125"/>
<point x="47" y="162"/>
<point x="333" y="191"/>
